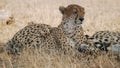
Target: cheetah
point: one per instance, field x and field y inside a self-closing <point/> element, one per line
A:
<point x="70" y="30"/>
<point x="66" y="38"/>
<point x="103" y="41"/>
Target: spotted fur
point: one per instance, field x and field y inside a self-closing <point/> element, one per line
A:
<point x="69" y="34"/>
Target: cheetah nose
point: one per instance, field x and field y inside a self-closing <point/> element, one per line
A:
<point x="81" y="19"/>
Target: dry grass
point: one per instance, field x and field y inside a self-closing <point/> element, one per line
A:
<point x="100" y="15"/>
<point x="40" y="59"/>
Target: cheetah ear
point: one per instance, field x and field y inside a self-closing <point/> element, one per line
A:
<point x="75" y="10"/>
<point x="62" y="9"/>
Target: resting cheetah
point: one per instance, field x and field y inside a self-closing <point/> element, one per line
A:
<point x="69" y="33"/>
<point x="104" y="41"/>
<point x="70" y="27"/>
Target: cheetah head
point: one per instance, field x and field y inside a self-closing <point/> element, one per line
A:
<point x="72" y="13"/>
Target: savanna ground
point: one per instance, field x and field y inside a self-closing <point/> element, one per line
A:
<point x="15" y="14"/>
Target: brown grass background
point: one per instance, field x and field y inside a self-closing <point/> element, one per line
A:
<point x="100" y="15"/>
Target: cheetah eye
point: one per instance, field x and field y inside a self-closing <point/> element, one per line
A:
<point x="75" y="12"/>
